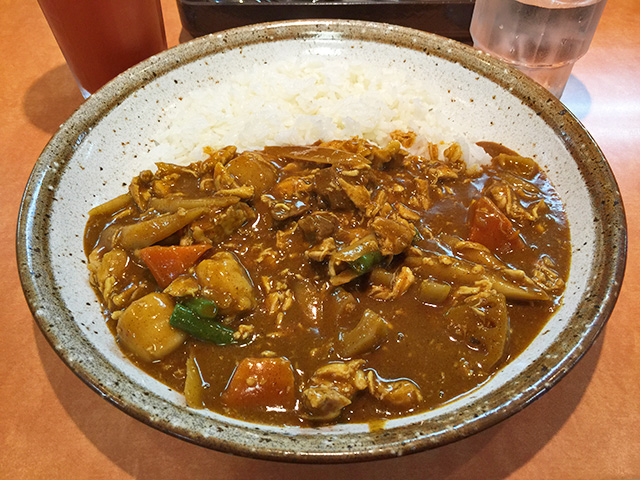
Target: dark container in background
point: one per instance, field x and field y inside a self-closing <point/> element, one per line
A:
<point x="449" y="18"/>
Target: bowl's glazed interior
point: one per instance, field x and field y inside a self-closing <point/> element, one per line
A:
<point x="106" y="142"/>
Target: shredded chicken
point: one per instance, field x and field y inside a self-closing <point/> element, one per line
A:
<point x="217" y="227"/>
<point x="402" y="394"/>
<point x="401" y="283"/>
<point x="332" y="387"/>
<point x="183" y="286"/>
<point x="358" y="194"/>
<point x="322" y="251"/>
<point x="394" y="235"/>
<point x="545" y="275"/>
<point x="244" y="332"/>
<point x="111" y="274"/>
<point x="506" y="199"/>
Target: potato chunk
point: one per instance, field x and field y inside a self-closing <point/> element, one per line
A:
<point x="144" y="329"/>
<point x="253" y="169"/>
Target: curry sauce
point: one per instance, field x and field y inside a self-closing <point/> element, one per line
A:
<point x="336" y="282"/>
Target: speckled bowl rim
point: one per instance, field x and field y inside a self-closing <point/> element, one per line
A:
<point x="595" y="309"/>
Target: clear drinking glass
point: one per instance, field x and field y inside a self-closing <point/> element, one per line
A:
<point x="542" y="38"/>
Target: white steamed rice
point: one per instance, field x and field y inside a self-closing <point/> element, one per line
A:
<point x="294" y="103"/>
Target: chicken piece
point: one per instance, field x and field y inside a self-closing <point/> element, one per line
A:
<point x="401" y="283"/>
<point x="243" y="333"/>
<point x="222" y="179"/>
<point x="332" y="387"/>
<point x="117" y="278"/>
<point x="393" y="235"/>
<point x="289" y="198"/>
<point x="378" y="203"/>
<point x="503" y="197"/>
<point x="288" y="237"/>
<point x="140" y="189"/>
<point x="453" y="154"/>
<point x="406" y="139"/>
<point x="322" y="251"/>
<point x="323" y="402"/>
<point x="183" y="286"/>
<point x="440" y="172"/>
<point x="387" y="153"/>
<point x="545" y="275"/>
<point x="223" y="156"/>
<point x="421" y="200"/>
<point x="407" y="213"/>
<point x="508" y="193"/>
<point x="167" y="180"/>
<point x="368" y="152"/>
<point x="216" y="227"/>
<point x="358" y="194"/>
<point x="402" y="394"/>
<point x="225" y="281"/>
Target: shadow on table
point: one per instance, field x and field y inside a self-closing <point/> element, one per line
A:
<point x="577" y="98"/>
<point x="54" y="96"/>
<point x="145" y="453"/>
<point x="51" y="99"/>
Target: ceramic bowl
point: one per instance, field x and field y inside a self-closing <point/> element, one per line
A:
<point x="105" y="142"/>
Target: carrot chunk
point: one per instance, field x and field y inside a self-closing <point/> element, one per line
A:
<point x="490" y="227"/>
<point x="168" y="263"/>
<point x="261" y="382"/>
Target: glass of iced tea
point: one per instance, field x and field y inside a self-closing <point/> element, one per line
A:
<point x="542" y="38"/>
<point x="102" y="38"/>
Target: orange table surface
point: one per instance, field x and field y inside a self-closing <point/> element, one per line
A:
<point x="53" y="426"/>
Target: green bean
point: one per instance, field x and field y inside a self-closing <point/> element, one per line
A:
<point x="366" y="262"/>
<point x="187" y="320"/>
<point x="203" y="307"/>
